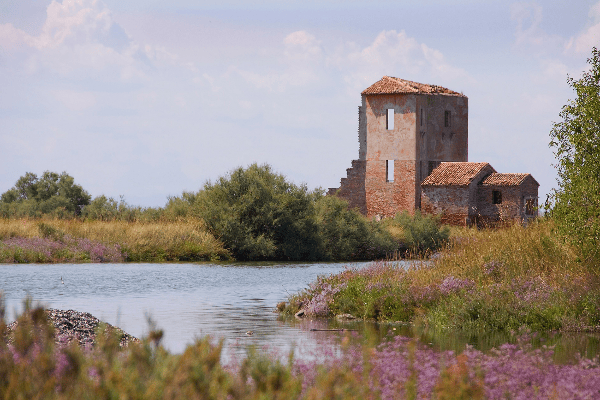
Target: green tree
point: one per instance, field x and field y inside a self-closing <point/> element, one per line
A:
<point x="576" y="140"/>
<point x="259" y="215"/>
<point x="52" y="193"/>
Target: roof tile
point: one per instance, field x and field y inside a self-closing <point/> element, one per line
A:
<point x="391" y="85"/>
<point x="455" y="173"/>
<point x="504" y="179"/>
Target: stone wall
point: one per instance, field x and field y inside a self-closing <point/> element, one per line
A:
<point x="451" y="202"/>
<point x="512" y="207"/>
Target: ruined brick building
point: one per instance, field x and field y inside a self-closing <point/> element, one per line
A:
<point x="413" y="154"/>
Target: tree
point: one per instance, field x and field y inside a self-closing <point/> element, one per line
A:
<point x="576" y="140"/>
<point x="51" y="194"/>
<point x="260" y="216"/>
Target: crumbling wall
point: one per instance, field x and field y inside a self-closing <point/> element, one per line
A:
<point x="451" y="202"/>
<point x="512" y="207"/>
<point x="352" y="188"/>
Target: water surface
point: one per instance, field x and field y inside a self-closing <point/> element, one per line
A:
<point x="185" y="300"/>
<point x="225" y="301"/>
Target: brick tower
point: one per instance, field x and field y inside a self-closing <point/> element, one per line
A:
<point x="405" y="130"/>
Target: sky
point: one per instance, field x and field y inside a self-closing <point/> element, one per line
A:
<point x="146" y="99"/>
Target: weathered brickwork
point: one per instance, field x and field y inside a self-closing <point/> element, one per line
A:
<point x="352" y="187"/>
<point x="415" y="129"/>
<point x="513" y="199"/>
<point x="451" y="191"/>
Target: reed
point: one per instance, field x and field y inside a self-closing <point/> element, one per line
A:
<point x="185" y="240"/>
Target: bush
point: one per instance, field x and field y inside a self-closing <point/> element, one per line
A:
<point x="260" y="216"/>
<point x="348" y="235"/>
<point x="109" y="209"/>
<point x="423" y="234"/>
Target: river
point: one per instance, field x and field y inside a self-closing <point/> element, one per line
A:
<point x="225" y="301"/>
<point x="185" y="300"/>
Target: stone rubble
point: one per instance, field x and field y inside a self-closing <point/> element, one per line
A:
<point x="73" y="325"/>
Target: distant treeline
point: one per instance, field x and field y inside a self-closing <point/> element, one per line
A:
<point x="254" y="212"/>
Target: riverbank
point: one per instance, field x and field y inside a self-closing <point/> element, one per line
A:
<point x="33" y="365"/>
<point x="343" y="235"/>
<point x="493" y="280"/>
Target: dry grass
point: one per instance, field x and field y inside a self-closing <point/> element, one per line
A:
<point x="517" y="252"/>
<point x="142" y="241"/>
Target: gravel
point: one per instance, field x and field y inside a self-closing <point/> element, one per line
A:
<point x="78" y="326"/>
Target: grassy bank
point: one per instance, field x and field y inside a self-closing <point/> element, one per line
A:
<point x="485" y="279"/>
<point x="32" y="365"/>
<point x="73" y="240"/>
<point x="338" y="234"/>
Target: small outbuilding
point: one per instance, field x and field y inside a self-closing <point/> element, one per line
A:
<point x="468" y="193"/>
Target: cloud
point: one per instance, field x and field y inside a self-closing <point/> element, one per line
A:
<point x="591" y="37"/>
<point x="396" y="54"/>
<point x="529" y="18"/>
<point x="80" y="39"/>
<point x="302" y="47"/>
<point x="12" y="38"/>
<point x="305" y="61"/>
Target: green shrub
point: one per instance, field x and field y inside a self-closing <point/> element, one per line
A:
<point x="109" y="209"/>
<point x="348" y="235"/>
<point x="260" y="216"/>
<point x="577" y="149"/>
<point x="423" y="234"/>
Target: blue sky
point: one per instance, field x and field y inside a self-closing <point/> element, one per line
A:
<point x="147" y="99"/>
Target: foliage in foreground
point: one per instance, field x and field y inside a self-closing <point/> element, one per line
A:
<point x="576" y="140"/>
<point x="498" y="280"/>
<point x="33" y="366"/>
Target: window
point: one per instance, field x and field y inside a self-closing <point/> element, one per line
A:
<point x="421" y="116"/>
<point x="531" y="206"/>
<point x="389" y="122"/>
<point x="447" y="119"/>
<point x="496" y="197"/>
<point x="389" y="170"/>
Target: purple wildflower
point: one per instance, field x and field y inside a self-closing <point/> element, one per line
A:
<point x="453" y="285"/>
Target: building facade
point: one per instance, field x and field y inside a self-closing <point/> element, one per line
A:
<point x="468" y="193"/>
<point x="405" y="130"/>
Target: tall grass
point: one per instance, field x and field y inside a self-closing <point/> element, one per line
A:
<point x="139" y="241"/>
<point x="485" y="279"/>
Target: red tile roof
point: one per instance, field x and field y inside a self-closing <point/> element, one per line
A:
<point x="391" y="85"/>
<point x="455" y="173"/>
<point x="505" y="179"/>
